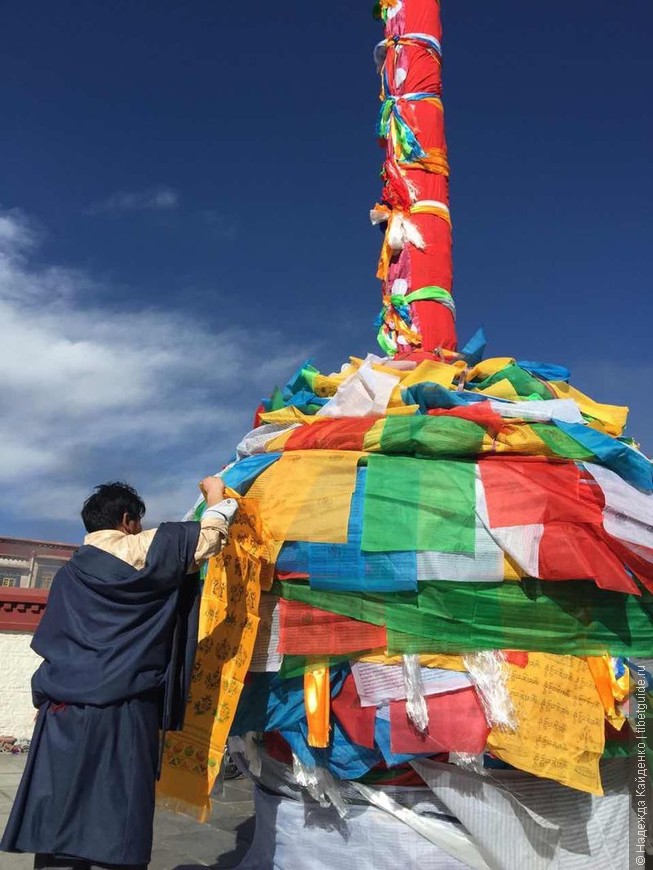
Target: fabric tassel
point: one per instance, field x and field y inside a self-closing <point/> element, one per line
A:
<point x="402" y="230"/>
<point x="415" y="703"/>
<point x="473" y="763"/>
<point x="320" y="785"/>
<point x="488" y="671"/>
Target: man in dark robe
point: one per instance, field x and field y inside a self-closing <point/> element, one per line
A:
<point x="118" y="641"/>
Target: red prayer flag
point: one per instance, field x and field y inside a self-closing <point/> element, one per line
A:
<point x="357" y="722"/>
<point x="456" y="724"/>
<point x="638" y="558"/>
<point x="308" y="631"/>
<point x="522" y="492"/>
<point x="343" y="433"/>
<point x="576" y="551"/>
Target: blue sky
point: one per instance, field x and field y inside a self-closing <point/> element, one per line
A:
<point x="184" y="218"/>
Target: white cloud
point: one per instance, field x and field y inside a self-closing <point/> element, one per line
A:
<point x="153" y="199"/>
<point x="91" y="393"/>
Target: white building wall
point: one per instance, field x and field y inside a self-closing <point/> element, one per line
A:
<point x="22" y="565"/>
<point x="18" y="663"/>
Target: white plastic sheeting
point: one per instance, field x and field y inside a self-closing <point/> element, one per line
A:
<point x="504" y="820"/>
<point x="521" y="821"/>
<point x="301" y="835"/>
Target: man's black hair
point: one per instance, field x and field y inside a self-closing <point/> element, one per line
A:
<point x="108" y="504"/>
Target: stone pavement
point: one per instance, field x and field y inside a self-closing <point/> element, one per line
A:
<point x="179" y="842"/>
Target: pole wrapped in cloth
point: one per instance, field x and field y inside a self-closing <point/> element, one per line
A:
<point x="415" y="266"/>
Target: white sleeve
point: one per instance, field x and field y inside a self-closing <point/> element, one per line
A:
<point x="226" y="509"/>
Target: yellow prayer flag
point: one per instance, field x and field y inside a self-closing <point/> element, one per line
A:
<point x="434" y="372"/>
<point x="372" y="438"/>
<point x="560" y="722"/>
<point x="613" y="417"/>
<point x="325" y="386"/>
<point x="502" y="389"/>
<point x="516" y="437"/>
<point x="511" y="570"/>
<point x="489" y="367"/>
<point x="289" y="414"/>
<point x="402" y="411"/>
<point x="396" y="400"/>
<point x="306" y="495"/>
<point x="278" y="443"/>
<point x="426" y="660"/>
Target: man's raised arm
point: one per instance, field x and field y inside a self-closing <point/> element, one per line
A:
<point x="214" y="525"/>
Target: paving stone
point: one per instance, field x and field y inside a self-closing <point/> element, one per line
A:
<point x="229" y="810"/>
<point x="17" y="862"/>
<point x="204" y="850"/>
<point x="234" y="823"/>
<point x="171" y="859"/>
<point x="180" y="843"/>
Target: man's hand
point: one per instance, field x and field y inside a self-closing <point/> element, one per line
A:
<point x="212" y="488"/>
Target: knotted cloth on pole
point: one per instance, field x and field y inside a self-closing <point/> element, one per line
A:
<point x="415" y="266"/>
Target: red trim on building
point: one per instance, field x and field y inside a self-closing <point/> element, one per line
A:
<point x="30" y="565"/>
<point x="21" y="609"/>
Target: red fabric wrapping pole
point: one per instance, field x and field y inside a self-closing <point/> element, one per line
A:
<point x="416" y="184"/>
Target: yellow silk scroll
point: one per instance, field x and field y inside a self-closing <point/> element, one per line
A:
<point x="560" y="722"/>
<point x="228" y="625"/>
<point x="306" y="495"/>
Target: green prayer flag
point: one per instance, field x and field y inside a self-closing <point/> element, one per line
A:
<point x="572" y="617"/>
<point x="525" y="384"/>
<point x="415" y="505"/>
<point x="561" y="444"/>
<point x="296" y="666"/>
<point x="614" y="749"/>
<point x="429" y="437"/>
<point x="276" y="399"/>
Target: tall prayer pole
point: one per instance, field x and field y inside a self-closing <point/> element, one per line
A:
<point x="415" y="267"/>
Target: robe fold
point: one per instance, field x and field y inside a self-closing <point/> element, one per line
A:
<point x="118" y="646"/>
